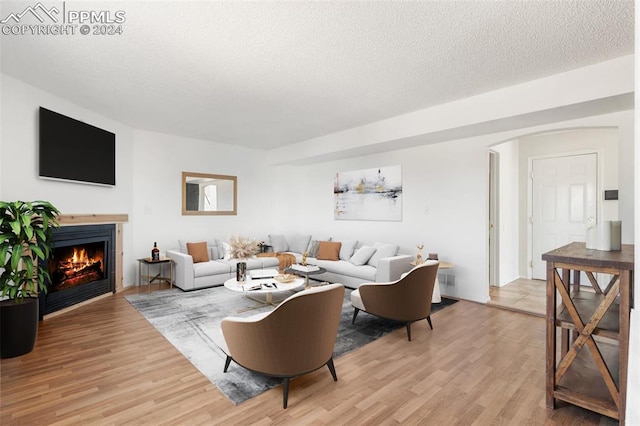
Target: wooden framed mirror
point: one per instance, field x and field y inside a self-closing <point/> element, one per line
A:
<point x="207" y="194"/>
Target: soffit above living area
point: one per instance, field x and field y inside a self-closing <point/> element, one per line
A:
<point x="270" y="74"/>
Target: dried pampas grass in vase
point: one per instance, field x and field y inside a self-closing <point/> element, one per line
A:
<point x="243" y="247"/>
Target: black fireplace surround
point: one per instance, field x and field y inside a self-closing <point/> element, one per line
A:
<point x="90" y="236"/>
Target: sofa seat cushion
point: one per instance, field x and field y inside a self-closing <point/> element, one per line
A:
<point x="344" y="267"/>
<point x="212" y="267"/>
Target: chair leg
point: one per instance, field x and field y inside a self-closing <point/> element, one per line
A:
<point x="409" y="330"/>
<point x="226" y="363"/>
<point x="355" y="314"/>
<point x="285" y="394"/>
<point x="429" y="321"/>
<point x="332" y="369"/>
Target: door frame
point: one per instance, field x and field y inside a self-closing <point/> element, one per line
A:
<point x="599" y="191"/>
<point x="494" y="218"/>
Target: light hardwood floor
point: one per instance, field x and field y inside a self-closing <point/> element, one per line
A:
<point x="521" y="295"/>
<point x="103" y="363"/>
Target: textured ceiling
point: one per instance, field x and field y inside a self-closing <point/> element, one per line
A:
<point x="267" y="74"/>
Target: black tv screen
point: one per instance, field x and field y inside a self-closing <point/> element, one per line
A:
<point x="76" y="151"/>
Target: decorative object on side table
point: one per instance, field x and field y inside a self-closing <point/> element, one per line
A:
<point x="25" y="237"/>
<point x="155" y="252"/>
<point x="304" y="258"/>
<point x="419" y="254"/>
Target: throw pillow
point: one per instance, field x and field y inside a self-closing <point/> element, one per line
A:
<point x="312" y="250"/>
<point x="382" y="251"/>
<point x="279" y="243"/>
<point x="214" y="249"/>
<point x="226" y="248"/>
<point x="347" y="249"/>
<point x="329" y="250"/>
<point x="362" y="255"/>
<point x="317" y="240"/>
<point x="213" y="252"/>
<point x="300" y="243"/>
<point x="198" y="251"/>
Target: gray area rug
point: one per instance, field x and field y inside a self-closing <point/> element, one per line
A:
<point x="191" y="322"/>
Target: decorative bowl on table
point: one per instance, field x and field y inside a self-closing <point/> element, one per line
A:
<point x="284" y="278"/>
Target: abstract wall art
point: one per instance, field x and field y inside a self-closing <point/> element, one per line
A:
<point x="369" y="194"/>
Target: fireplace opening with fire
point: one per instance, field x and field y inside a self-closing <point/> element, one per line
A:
<point x="72" y="266"/>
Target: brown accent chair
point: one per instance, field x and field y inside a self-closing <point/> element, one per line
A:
<point x="295" y="338"/>
<point x="406" y="300"/>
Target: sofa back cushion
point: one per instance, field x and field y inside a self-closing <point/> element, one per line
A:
<point x="382" y="250"/>
<point x="300" y="243"/>
<point x="278" y="242"/>
<point x="198" y="251"/>
<point x="329" y="250"/>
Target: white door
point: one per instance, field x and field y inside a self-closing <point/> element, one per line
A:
<point x="564" y="200"/>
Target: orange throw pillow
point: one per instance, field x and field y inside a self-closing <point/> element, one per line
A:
<point x="198" y="251"/>
<point x="329" y="250"/>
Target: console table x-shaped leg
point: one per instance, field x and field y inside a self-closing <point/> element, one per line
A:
<point x="618" y="286"/>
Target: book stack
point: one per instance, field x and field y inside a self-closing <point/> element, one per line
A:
<point x="305" y="268"/>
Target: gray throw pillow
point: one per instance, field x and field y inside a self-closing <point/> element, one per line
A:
<point x="362" y="255"/>
<point x="316" y="239"/>
<point x="312" y="249"/>
<point x="279" y="243"/>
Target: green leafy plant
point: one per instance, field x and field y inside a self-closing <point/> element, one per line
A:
<point x="25" y="236"/>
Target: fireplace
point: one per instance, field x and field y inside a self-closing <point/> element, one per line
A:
<point x="81" y="266"/>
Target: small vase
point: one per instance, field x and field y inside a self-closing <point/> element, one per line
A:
<point x="241" y="272"/>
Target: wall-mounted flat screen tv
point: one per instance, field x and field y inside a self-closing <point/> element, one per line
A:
<point x="75" y="151"/>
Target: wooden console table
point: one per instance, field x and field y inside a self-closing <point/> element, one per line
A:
<point x="598" y="384"/>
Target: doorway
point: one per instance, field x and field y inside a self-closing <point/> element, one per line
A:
<point x="585" y="162"/>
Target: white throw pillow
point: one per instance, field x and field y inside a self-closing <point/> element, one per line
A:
<point x="279" y="243"/>
<point x="227" y="251"/>
<point x="347" y="249"/>
<point x="300" y="243"/>
<point x="362" y="255"/>
<point x="382" y="251"/>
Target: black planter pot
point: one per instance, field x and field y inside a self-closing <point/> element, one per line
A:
<point x="18" y="327"/>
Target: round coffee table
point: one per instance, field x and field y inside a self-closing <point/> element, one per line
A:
<point x="267" y="287"/>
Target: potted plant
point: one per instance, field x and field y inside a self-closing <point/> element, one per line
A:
<point x="25" y="238"/>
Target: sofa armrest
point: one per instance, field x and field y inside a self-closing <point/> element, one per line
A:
<point x="390" y="268"/>
<point x="184" y="277"/>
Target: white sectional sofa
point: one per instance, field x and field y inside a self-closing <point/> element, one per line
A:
<point x="383" y="264"/>
<point x="192" y="276"/>
<point x="358" y="262"/>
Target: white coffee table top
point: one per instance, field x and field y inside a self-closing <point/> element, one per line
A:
<point x="267" y="285"/>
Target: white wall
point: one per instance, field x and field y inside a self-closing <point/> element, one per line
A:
<point x="19" y="161"/>
<point x="158" y="162"/>
<point x="445" y="198"/>
<point x="604" y="141"/>
<point x="148" y="177"/>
